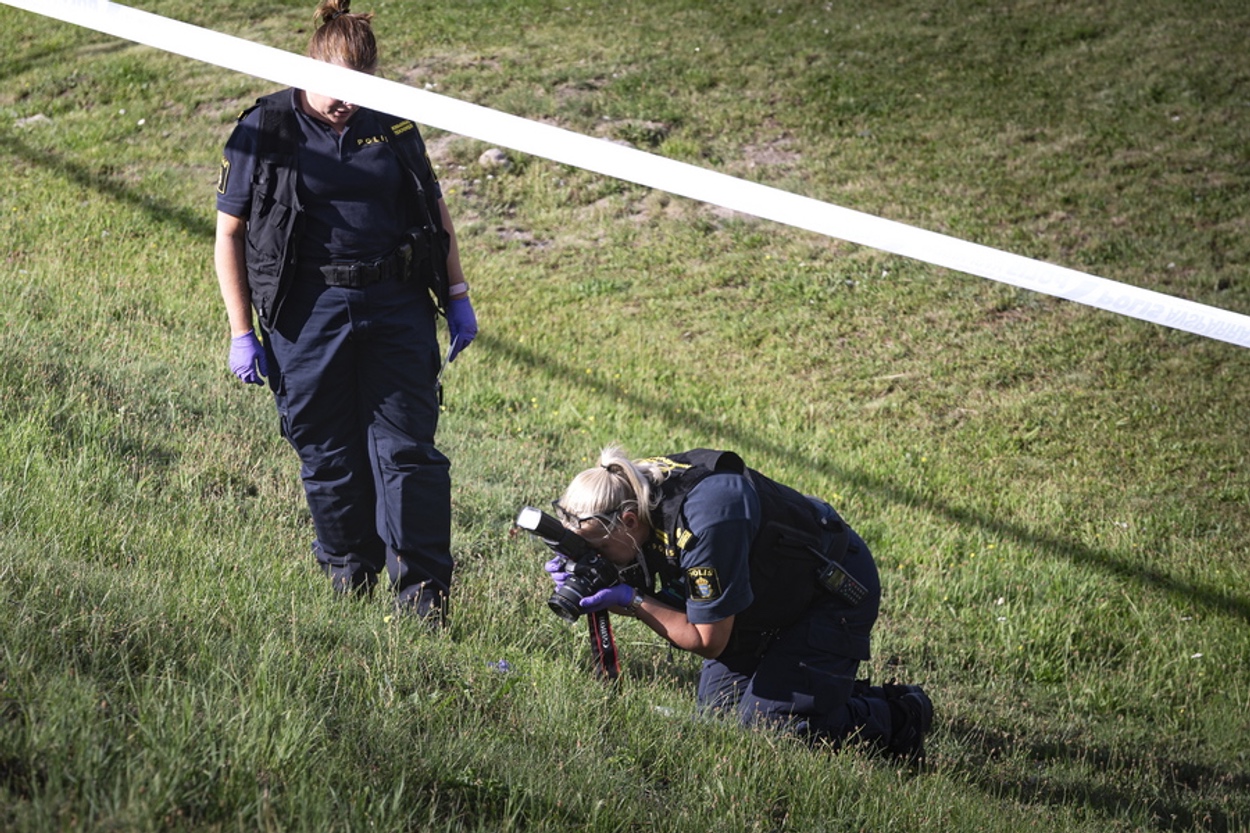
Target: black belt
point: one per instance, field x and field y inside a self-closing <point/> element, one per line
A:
<point x="359" y="274"/>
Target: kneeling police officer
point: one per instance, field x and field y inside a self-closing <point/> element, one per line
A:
<point x="769" y="586"/>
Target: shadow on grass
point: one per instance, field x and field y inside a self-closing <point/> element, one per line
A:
<point x="196" y="223"/>
<point x="1128" y="790"/>
<point x="84" y="43"/>
<point x="1136" y="788"/>
<point x="1205" y="596"/>
<point x="1208" y="597"/>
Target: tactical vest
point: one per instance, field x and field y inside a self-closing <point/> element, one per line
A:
<point x="782" y="565"/>
<point x="274" y="222"/>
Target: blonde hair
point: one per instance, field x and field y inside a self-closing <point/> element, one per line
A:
<point x="343" y="38"/>
<point x="616" y="484"/>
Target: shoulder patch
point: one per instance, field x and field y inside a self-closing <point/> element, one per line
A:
<point x="223" y="176"/>
<point x="402" y="127"/>
<point x="702" y="584"/>
<point x="666" y="464"/>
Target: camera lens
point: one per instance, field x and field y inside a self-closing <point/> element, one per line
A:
<point x="564" y="601"/>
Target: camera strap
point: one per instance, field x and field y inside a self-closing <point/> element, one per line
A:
<point x="603" y="645"/>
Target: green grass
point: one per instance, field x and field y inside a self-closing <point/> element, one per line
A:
<point x="1057" y="496"/>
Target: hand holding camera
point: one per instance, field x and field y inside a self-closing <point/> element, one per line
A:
<point x="578" y="571"/>
<point x="621" y="595"/>
<point x="558" y="569"/>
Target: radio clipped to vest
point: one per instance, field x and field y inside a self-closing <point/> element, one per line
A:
<point x="430" y="241"/>
<point x="427" y="247"/>
<point x="833" y="576"/>
<point x="841" y="584"/>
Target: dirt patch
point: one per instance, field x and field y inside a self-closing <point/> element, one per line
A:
<point x="779" y="151"/>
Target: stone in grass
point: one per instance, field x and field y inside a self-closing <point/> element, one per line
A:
<point x="494" y="160"/>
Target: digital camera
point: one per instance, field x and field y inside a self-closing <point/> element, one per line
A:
<point x="588" y="571"/>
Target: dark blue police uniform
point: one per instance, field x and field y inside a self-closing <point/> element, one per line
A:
<point x="794" y="654"/>
<point x="353" y="365"/>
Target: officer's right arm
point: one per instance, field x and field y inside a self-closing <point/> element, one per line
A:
<point x="229" y="258"/>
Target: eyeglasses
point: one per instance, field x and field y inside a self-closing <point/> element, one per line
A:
<point x="571" y="520"/>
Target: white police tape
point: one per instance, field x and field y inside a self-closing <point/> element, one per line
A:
<point x="636" y="166"/>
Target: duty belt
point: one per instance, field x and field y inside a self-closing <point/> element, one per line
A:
<point x="359" y="274"/>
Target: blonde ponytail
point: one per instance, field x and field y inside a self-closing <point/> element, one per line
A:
<point x="616" y="484"/>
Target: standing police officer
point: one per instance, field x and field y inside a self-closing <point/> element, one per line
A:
<point x="771" y="587"/>
<point x="331" y="224"/>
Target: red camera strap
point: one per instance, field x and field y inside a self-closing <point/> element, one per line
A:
<point x="603" y="645"/>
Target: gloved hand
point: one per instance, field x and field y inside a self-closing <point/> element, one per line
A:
<point x="462" y="324"/>
<point x="558" y="569"/>
<point x="247" y="358"/>
<point x="622" y="595"/>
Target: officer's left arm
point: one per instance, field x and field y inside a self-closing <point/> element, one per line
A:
<point x="722" y="513"/>
<point x="461" y="319"/>
<point x="707" y="639"/>
<point x="722" y="518"/>
<point x="455" y="272"/>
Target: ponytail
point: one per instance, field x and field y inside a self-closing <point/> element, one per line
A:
<point x="617" y="483"/>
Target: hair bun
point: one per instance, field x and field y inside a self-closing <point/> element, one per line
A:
<point x="332" y="11"/>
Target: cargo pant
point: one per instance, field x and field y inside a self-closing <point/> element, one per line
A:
<point x="353" y="373"/>
<point x="801" y="678"/>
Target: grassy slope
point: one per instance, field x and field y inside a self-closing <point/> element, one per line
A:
<point x="1057" y="496"/>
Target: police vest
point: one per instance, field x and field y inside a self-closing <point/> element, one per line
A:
<point x="782" y="564"/>
<point x="274" y="220"/>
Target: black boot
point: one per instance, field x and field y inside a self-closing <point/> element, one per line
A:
<point x="889" y="691"/>
<point x="425" y="602"/>
<point x="911" y="711"/>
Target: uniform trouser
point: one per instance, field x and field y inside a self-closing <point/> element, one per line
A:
<point x="802" y="678"/>
<point x="354" y="373"/>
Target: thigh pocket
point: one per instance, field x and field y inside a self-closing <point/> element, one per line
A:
<point x="836" y="655"/>
<point x="279" y="400"/>
<point x="836" y="638"/>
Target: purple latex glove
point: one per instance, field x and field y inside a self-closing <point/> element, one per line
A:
<point x="622" y="595"/>
<point x="558" y="569"/>
<point x="247" y="358"/>
<point x="462" y="324"/>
